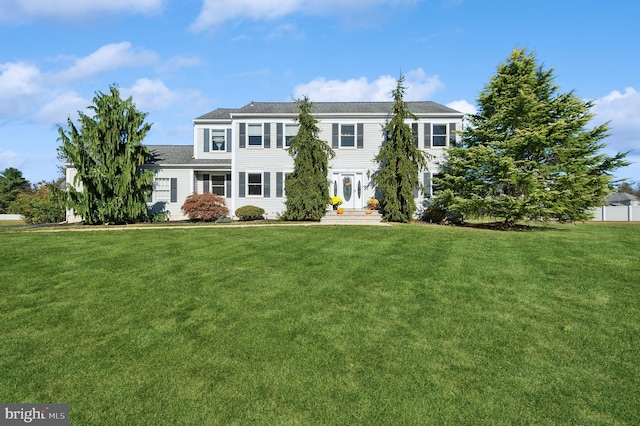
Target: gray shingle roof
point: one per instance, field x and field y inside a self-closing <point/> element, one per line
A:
<point x="179" y="154"/>
<point x="426" y="107"/>
<point x="218" y="114"/>
<point x="620" y="199"/>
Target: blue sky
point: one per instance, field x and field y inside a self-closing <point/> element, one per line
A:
<point x="182" y="59"/>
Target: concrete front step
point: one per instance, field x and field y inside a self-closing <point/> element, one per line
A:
<point x="352" y="217"/>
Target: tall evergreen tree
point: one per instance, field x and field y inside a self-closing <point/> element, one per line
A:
<point x="527" y="153"/>
<point x="399" y="162"/>
<point x="106" y="151"/>
<point x="12" y="184"/>
<point x="307" y="187"/>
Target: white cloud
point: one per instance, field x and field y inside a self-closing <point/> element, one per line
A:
<point x="107" y="58"/>
<point x="62" y="106"/>
<point x="153" y="96"/>
<point x="622" y="110"/>
<point x="178" y="62"/>
<point x="419" y="86"/>
<point x="216" y="12"/>
<point x="31" y="95"/>
<point x="20" y="85"/>
<point x="150" y="95"/>
<point x="19" y="79"/>
<point x="323" y="90"/>
<point x="9" y="159"/>
<point x="23" y="10"/>
<point x="463" y="106"/>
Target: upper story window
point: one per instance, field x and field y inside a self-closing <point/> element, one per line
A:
<point x="347" y="135"/>
<point x="290" y="130"/>
<point x="217" y="140"/>
<point x="254" y="132"/>
<point x="439" y="135"/>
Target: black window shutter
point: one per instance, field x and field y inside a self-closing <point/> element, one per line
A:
<point x="206" y="184"/>
<point x="279" y="191"/>
<point x="279" y="136"/>
<point x="335" y="139"/>
<point x="243" y="135"/>
<point x="174" y="190"/>
<point x="229" y="140"/>
<point x="279" y="184"/>
<point x="452" y="135"/>
<point x="241" y="185"/>
<point x="360" y="136"/>
<point x="267" y="135"/>
<point x="427" y="135"/>
<point x="427" y="185"/>
<point x="228" y="185"/>
<point x="266" y="185"/>
<point x="206" y="141"/>
<point x="414" y="130"/>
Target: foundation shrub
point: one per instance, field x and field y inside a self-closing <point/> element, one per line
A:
<point x="206" y="207"/>
<point x="250" y="213"/>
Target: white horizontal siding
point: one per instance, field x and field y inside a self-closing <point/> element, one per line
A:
<point x="260" y="160"/>
<point x="273" y="159"/>
<point x="198" y="143"/>
<point x="354" y="159"/>
<point x="185" y="188"/>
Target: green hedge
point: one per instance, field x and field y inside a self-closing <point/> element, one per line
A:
<point x="250" y="213"/>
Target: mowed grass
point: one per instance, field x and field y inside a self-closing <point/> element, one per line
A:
<point x="403" y="325"/>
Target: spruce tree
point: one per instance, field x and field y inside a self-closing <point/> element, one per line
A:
<point x="307" y="188"/>
<point x="106" y="151"/>
<point x="528" y="153"/>
<point x="399" y="162"/>
<point x="12" y="184"/>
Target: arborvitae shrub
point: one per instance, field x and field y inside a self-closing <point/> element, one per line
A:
<point x="207" y="207"/>
<point x="249" y="213"/>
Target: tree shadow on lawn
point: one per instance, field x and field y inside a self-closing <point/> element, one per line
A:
<point x="499" y="226"/>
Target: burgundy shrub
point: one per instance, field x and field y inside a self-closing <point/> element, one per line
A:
<point x="207" y="207"/>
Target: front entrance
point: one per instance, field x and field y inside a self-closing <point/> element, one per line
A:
<point x="348" y="186"/>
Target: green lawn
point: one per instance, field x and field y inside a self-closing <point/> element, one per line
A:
<point x="402" y="325"/>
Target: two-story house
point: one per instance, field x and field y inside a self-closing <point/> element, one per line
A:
<point x="241" y="154"/>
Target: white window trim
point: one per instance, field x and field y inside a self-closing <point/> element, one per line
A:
<point x="157" y="192"/>
<point x="248" y="144"/>
<point x="224" y="183"/>
<point x="284" y="136"/>
<point x="446" y="135"/>
<point x="212" y="144"/>
<point x="355" y="136"/>
<point x="246" y="189"/>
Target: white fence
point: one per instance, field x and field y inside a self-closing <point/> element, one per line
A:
<point x="617" y="214"/>
<point x="10" y="217"/>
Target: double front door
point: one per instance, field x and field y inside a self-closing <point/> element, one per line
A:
<point x="349" y="187"/>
